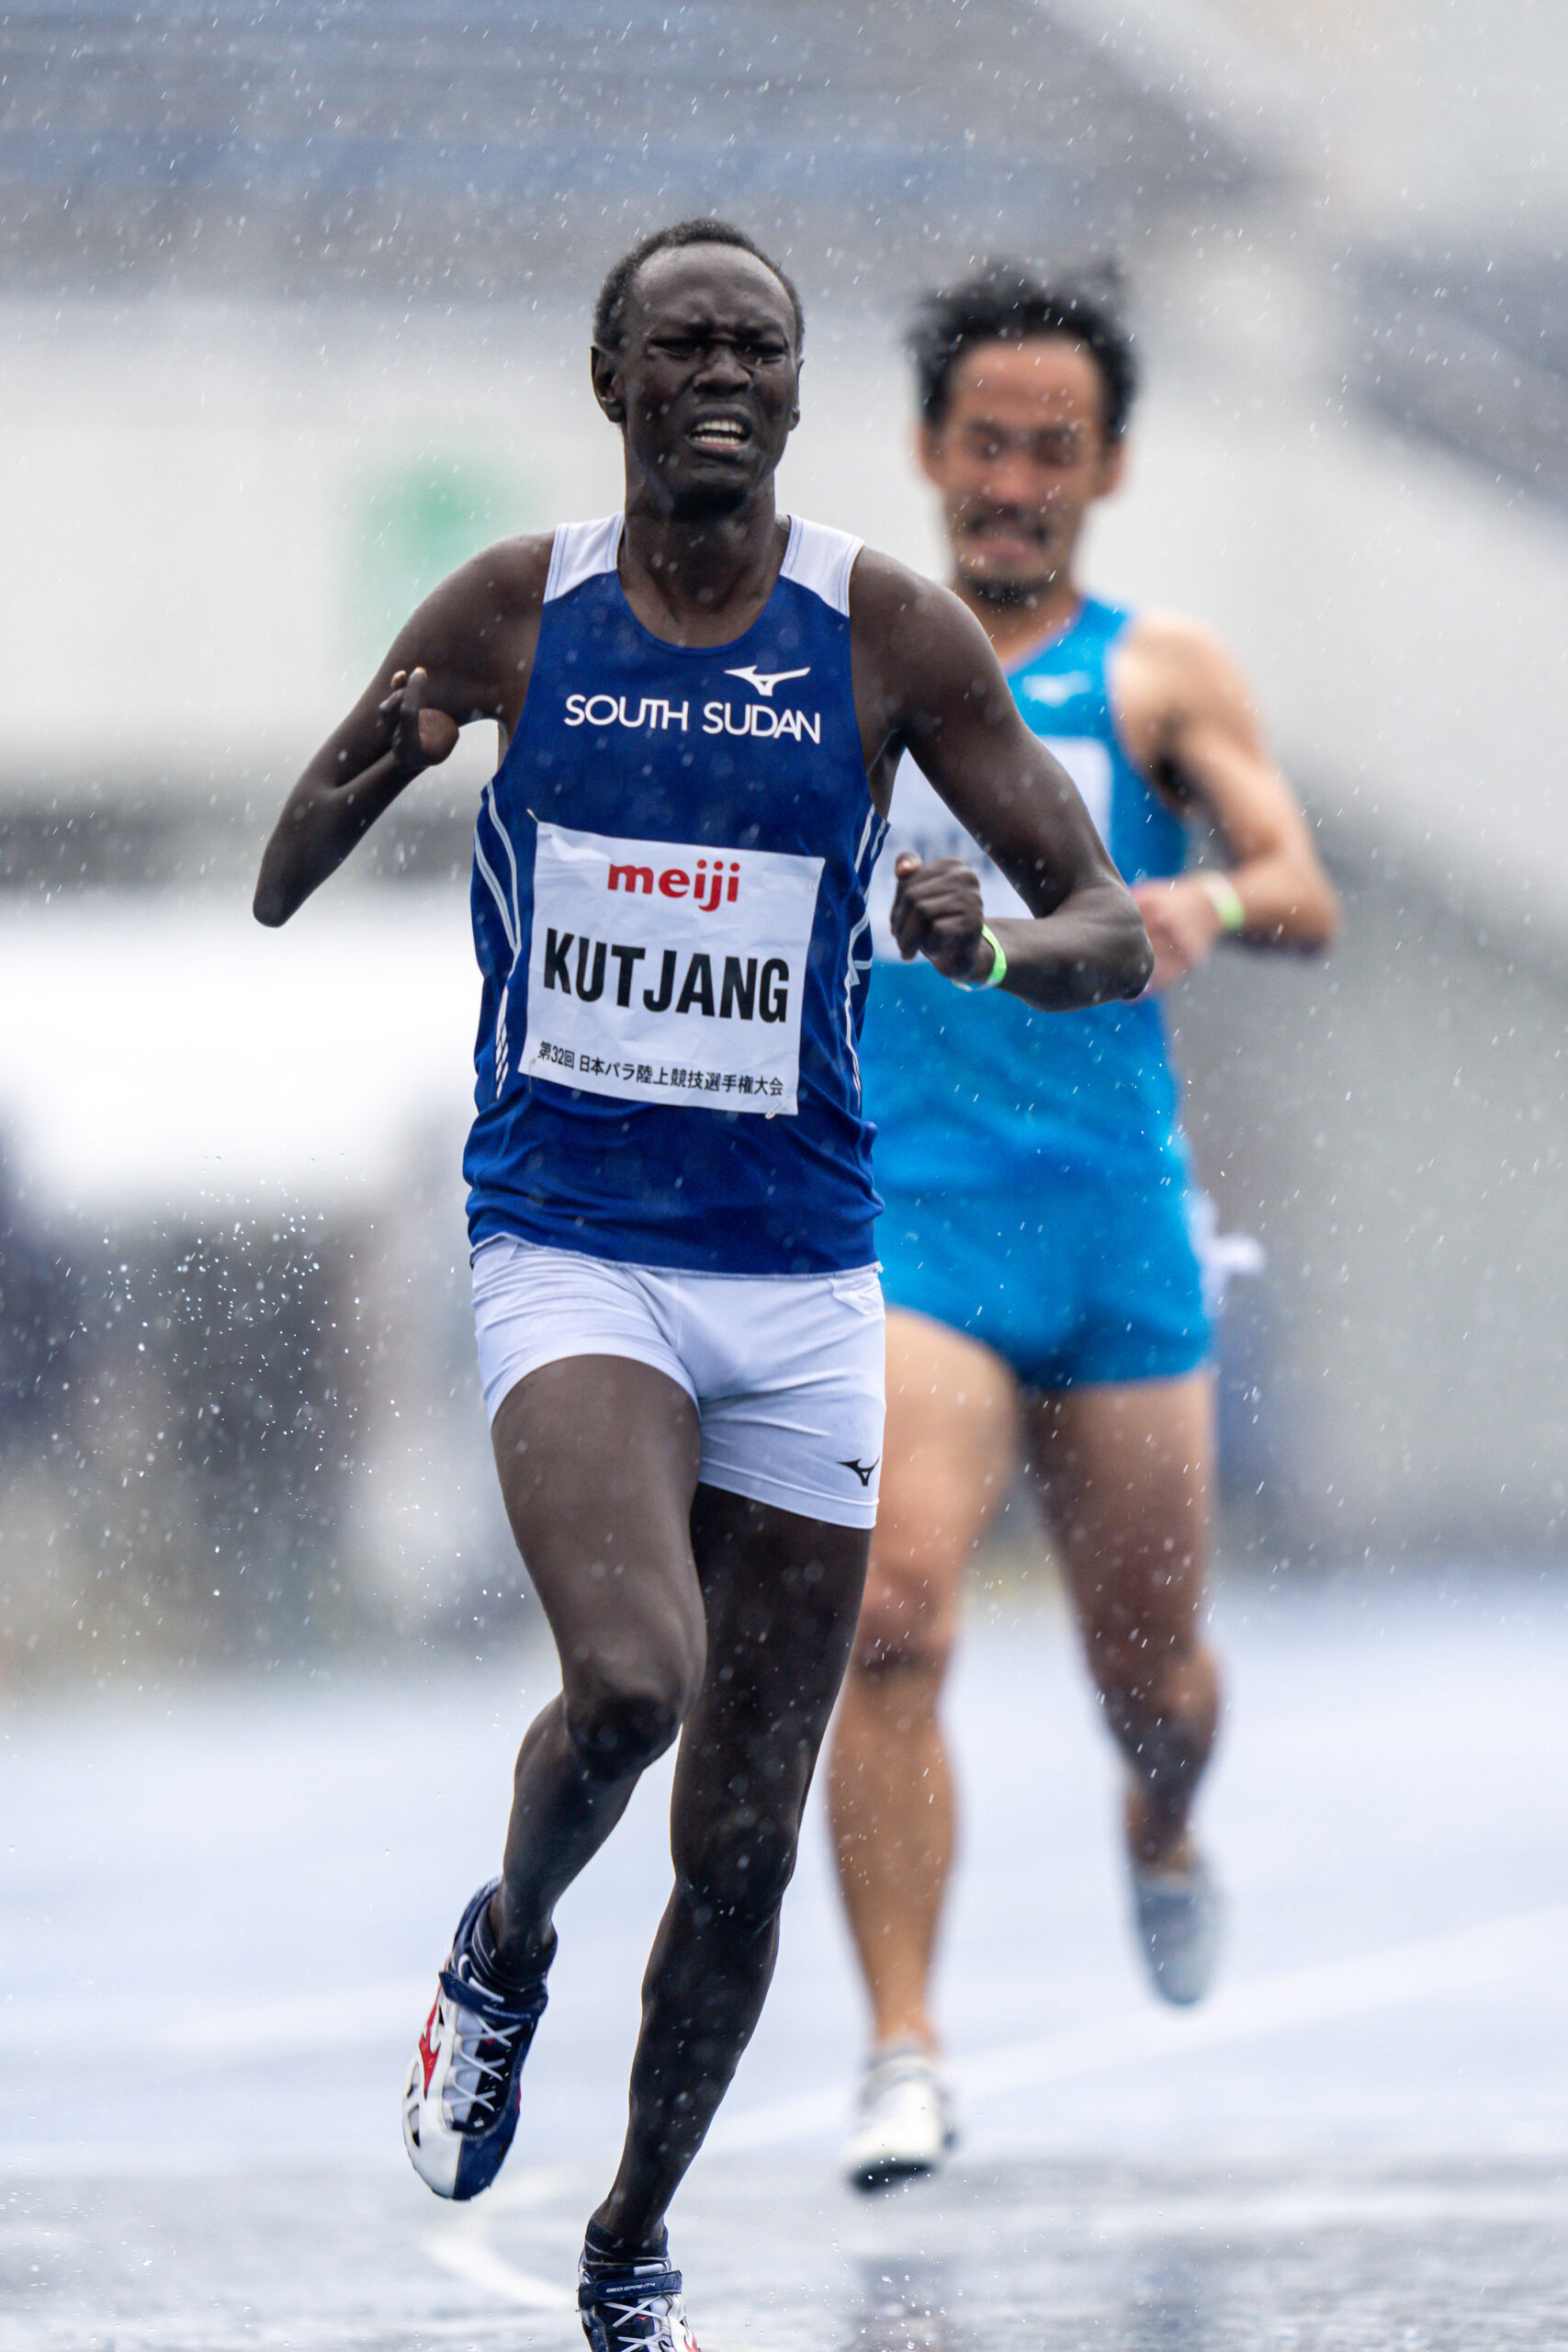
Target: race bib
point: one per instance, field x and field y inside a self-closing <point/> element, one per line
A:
<point x="663" y="973"/>
<point x="921" y="822"/>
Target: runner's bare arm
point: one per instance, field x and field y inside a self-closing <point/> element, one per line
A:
<point x="1191" y="724"/>
<point x="463" y="655"/>
<point x="927" y="681"/>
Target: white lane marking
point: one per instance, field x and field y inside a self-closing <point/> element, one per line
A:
<point x="462" y="2245"/>
<point x="524" y="2188"/>
<point x="463" y="2252"/>
<point x="1188" y="2214"/>
<point x="1455" y="1963"/>
<point x="299" y="2024"/>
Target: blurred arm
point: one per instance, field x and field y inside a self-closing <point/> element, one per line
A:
<point x="926" y="679"/>
<point x="1194" y="728"/>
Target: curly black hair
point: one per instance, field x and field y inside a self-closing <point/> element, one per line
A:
<point x="1004" y="302"/>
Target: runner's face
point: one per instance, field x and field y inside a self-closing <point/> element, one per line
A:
<point x="1019" y="457"/>
<point x="706" y="386"/>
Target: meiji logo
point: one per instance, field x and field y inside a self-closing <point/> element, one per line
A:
<point x="675" y="882"/>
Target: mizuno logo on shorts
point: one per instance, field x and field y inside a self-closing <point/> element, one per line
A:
<point x="862" y="1470"/>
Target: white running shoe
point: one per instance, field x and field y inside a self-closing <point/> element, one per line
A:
<point x="1179" y="1916"/>
<point x="905" y="2124"/>
<point x="461" y="2099"/>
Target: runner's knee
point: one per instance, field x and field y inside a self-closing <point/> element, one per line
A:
<point x="907" y="1619"/>
<point x="624" y="1714"/>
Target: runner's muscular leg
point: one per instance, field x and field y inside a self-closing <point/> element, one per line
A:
<point x="1124" y="1475"/>
<point x="950" y="1446"/>
<point x="782" y="1594"/>
<point x="598" y="1460"/>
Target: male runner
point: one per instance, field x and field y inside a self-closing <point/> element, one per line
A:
<point x="701" y="707"/>
<point x="1046" y="1300"/>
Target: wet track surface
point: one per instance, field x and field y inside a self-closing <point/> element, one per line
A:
<point x="223" y="1909"/>
<point x="1017" y="2253"/>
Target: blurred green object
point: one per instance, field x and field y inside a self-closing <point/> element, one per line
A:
<point x="417" y="519"/>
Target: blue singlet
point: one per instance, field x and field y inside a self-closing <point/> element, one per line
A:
<point x="1035" y="1177"/>
<point x="668" y="906"/>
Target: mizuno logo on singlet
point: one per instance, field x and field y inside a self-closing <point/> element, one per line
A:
<point x="1056" y="690"/>
<point x="766" y="680"/>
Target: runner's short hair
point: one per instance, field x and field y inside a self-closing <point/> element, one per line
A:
<point x="609" y="312"/>
<point x="1004" y="302"/>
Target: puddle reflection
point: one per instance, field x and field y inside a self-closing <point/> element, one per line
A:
<point x="1167" y="2309"/>
<point x="934" y="2306"/>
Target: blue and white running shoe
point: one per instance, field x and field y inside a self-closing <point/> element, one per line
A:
<point x="641" y="2309"/>
<point x="1179" y="1915"/>
<point x="463" y="2088"/>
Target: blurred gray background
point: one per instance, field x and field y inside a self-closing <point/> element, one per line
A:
<point x="294" y="315"/>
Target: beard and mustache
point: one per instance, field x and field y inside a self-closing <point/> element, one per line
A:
<point x="1016" y="588"/>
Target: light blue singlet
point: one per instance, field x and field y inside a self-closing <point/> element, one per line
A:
<point x="1034" y="1174"/>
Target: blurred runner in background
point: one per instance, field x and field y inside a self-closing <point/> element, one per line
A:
<point x="1046" y="1303"/>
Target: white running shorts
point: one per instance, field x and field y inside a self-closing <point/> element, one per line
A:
<point x="786" y="1371"/>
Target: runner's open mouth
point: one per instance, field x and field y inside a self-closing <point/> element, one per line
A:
<point x="719" y="432"/>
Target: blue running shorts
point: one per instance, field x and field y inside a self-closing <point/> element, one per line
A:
<point x="1082" y="1284"/>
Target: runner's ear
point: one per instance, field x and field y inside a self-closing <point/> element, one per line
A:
<point x="1113" y="467"/>
<point x="604" y="375"/>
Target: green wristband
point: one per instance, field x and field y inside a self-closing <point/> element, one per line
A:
<point x="999" y="971"/>
<point x="1226" y="899"/>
